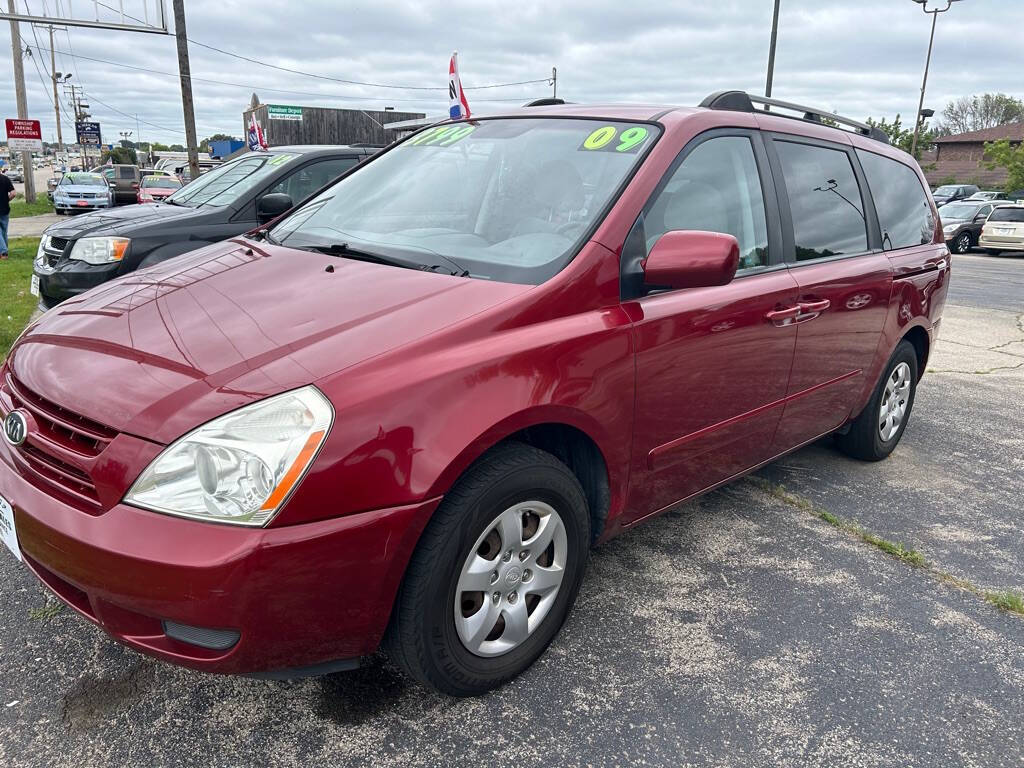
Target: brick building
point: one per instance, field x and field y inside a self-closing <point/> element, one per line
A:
<point x="961" y="156"/>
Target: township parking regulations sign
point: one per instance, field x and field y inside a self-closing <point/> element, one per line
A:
<point x="88" y="134"/>
<point x="24" y="135"/>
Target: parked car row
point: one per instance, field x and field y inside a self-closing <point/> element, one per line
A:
<point x="990" y="225"/>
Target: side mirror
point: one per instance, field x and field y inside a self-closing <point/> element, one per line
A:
<point x="690" y="259"/>
<point x="981" y="217"/>
<point x="273" y="205"/>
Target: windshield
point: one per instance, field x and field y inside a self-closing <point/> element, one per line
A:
<point x="1007" y="213"/>
<point x="161" y="182"/>
<point x="959" y="211"/>
<point x="946" y="191"/>
<point x="507" y="199"/>
<point x="224" y="185"/>
<point x="83" y="179"/>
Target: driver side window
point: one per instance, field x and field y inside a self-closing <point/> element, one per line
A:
<point x="716" y="189"/>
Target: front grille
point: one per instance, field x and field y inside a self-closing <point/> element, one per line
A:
<point x="57" y="244"/>
<point x="59" y="450"/>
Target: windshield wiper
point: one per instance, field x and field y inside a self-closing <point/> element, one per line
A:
<point x="361" y="253"/>
<point x="169" y="201"/>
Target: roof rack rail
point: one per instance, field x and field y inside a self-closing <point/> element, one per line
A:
<point x="548" y="102"/>
<point x="740" y="101"/>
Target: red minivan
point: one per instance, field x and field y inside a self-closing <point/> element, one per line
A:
<point x="401" y="414"/>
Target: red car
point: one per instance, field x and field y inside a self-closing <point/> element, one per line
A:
<point x="402" y="413"/>
<point x="154" y="188"/>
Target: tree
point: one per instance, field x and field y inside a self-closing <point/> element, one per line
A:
<point x="1003" y="154"/>
<point x="119" y="156"/>
<point x="903" y="138"/>
<point x="975" y="113"/>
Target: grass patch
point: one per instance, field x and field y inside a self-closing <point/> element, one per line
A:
<point x="16" y="303"/>
<point x="909" y="556"/>
<point x="49" y="610"/>
<point x="19" y="208"/>
<point x="1008" y="601"/>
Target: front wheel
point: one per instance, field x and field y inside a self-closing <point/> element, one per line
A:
<point x="876" y="432"/>
<point x="494" y="575"/>
<point x="961" y="243"/>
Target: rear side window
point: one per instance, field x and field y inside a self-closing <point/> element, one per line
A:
<point x="904" y="213"/>
<point x="1007" y="213"/>
<point x="304" y="182"/>
<point x="828" y="214"/>
<point x="716" y="189"/>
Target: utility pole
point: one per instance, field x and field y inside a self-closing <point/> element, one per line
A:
<point x="771" y="55"/>
<point x="554" y="82"/>
<point x="56" y="99"/>
<point x="186" y="88"/>
<point x="19" y="93"/>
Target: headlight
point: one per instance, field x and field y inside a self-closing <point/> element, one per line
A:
<point x="40" y="254"/>
<point x="99" y="250"/>
<point x="950" y="228"/>
<point x="241" y="467"/>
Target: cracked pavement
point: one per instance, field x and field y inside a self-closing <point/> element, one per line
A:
<point x="736" y="630"/>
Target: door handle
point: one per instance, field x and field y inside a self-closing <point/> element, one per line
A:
<point x="815" y="306"/>
<point x="783" y="316"/>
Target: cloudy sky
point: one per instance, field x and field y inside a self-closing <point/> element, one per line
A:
<point x="858" y="57"/>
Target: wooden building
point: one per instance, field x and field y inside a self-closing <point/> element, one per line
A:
<point x="285" y="125"/>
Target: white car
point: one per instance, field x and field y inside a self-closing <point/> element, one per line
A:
<point x="1004" y="230"/>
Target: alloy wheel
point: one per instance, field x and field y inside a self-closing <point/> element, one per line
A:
<point x="894" y="401"/>
<point x="510" y="579"/>
<point x="963" y="243"/>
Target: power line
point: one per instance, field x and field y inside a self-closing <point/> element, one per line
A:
<point x="250" y="86"/>
<point x="336" y="79"/>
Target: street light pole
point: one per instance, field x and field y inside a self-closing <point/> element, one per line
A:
<point x="927" y="62"/>
<point x="56" y="99"/>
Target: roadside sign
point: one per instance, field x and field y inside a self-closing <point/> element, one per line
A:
<point x="24" y="135"/>
<point x="88" y="134"/>
<point x="281" y="112"/>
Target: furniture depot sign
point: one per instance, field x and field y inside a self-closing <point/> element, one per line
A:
<point x="24" y="135"/>
<point x="280" y="112"/>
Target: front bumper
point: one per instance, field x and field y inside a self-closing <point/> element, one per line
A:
<point x="80" y="205"/>
<point x="70" y="278"/>
<point x="297" y="596"/>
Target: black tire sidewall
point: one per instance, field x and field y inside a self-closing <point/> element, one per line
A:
<point x="461" y="671"/>
<point x="905" y="353"/>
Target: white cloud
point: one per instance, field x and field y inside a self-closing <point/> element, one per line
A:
<point x="859" y="58"/>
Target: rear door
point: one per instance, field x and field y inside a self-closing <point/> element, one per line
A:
<point x="711" y="364"/>
<point x="844" y="281"/>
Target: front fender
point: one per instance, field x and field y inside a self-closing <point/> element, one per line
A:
<point x="407" y="424"/>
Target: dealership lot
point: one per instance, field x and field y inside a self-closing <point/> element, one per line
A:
<point x="739" y="629"/>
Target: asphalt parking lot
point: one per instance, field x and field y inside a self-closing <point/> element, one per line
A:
<point x="740" y="629"/>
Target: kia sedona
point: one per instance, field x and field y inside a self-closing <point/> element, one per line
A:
<point x="400" y="416"/>
<point x="80" y="254"/>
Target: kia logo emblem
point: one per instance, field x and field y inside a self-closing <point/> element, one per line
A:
<point x="15" y="428"/>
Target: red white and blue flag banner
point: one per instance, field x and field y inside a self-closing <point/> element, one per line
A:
<point x="458" y="107"/>
<point x="257" y="141"/>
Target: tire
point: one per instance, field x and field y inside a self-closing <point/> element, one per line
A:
<point x="869" y="438"/>
<point x="962" y="243"/>
<point x="423" y="638"/>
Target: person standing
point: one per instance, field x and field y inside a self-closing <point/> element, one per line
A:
<point x="6" y="195"/>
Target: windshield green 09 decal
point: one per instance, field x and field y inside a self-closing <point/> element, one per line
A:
<point x="442" y="135"/>
<point x="281" y="159"/>
<point x="609" y="139"/>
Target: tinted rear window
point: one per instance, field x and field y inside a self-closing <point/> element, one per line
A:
<point x="904" y="213"/>
<point x="828" y="215"/>
<point x="1005" y="213"/>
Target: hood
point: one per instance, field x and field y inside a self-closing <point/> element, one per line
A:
<point x="119" y="221"/>
<point x="80" y="188"/>
<point x="163" y="350"/>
